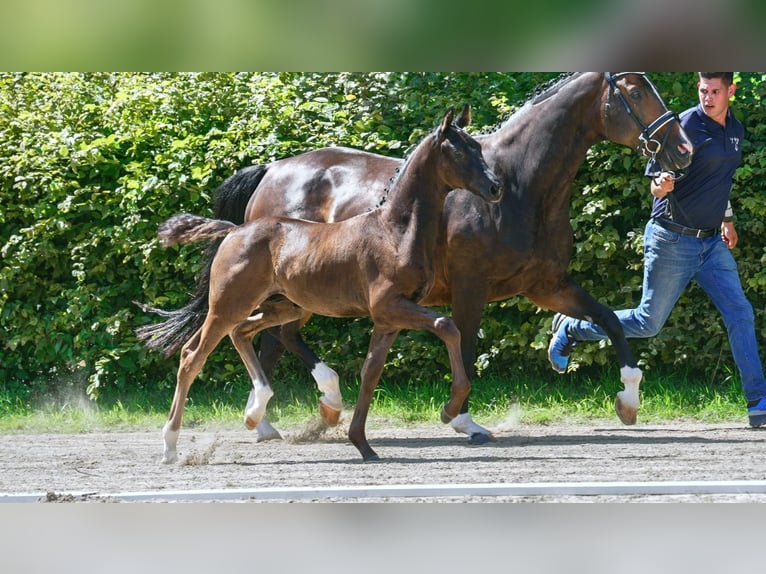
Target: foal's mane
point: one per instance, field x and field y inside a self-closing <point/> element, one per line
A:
<point x="400" y="169"/>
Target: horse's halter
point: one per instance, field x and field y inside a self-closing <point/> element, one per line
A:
<point x="650" y="146"/>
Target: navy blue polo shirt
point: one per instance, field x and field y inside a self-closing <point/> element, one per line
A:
<point x="704" y="192"/>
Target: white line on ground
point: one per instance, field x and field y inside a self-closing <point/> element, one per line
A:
<point x="410" y="490"/>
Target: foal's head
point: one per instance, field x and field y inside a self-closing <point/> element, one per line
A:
<point x="461" y="163"/>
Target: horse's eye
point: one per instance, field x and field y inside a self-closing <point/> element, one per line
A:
<point x="635" y="95"/>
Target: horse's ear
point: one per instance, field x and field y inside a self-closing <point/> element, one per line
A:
<point x="446" y="122"/>
<point x="465" y="117"/>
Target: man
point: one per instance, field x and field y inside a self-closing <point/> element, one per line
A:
<point x="689" y="236"/>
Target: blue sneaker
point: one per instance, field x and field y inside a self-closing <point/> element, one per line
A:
<point x="757" y="413"/>
<point x="561" y="345"/>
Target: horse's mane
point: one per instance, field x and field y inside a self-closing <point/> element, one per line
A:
<point x="540" y="94"/>
<point x="551" y="87"/>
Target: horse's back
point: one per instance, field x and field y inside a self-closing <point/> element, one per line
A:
<point x="328" y="184"/>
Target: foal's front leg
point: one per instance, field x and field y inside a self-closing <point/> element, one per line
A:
<point x="380" y="343"/>
<point x="407" y="314"/>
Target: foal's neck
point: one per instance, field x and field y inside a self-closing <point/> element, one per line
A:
<point x="416" y="199"/>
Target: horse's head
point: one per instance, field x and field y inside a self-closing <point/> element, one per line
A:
<point x="462" y="163"/>
<point x="636" y="116"/>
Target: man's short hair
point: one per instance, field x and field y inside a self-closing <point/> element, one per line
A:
<point x="726" y="77"/>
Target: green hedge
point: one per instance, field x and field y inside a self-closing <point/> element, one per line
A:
<point x="90" y="164"/>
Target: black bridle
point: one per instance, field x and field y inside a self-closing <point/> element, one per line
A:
<point x="650" y="146"/>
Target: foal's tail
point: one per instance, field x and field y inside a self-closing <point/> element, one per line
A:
<point x="186" y="228"/>
<point x="181" y="324"/>
<point x="231" y="199"/>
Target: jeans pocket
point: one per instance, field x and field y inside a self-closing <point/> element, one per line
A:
<point x="665" y="235"/>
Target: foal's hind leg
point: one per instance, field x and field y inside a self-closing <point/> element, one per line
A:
<point x="267" y="315"/>
<point x="193" y="356"/>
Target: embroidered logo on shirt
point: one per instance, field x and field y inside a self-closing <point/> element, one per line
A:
<point x="735" y="143"/>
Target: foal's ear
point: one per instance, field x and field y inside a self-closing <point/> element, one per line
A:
<point x="465" y="117"/>
<point x="446" y="122"/>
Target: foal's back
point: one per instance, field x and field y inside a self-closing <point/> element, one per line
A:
<point x="325" y="268"/>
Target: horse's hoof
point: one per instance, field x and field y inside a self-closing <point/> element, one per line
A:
<point x="480" y="438"/>
<point x="268" y="436"/>
<point x="371" y="458"/>
<point x="626" y="413"/>
<point x="445" y="417"/>
<point x="330" y="416"/>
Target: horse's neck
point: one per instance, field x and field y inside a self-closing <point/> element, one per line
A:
<point x="541" y="147"/>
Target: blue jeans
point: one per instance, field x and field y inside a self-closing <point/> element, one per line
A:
<point x="671" y="261"/>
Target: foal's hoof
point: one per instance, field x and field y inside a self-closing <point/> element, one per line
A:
<point x="169" y="457"/>
<point x="625" y="412"/>
<point x="480" y="438"/>
<point x="330" y="416"/>
<point x="250" y="424"/>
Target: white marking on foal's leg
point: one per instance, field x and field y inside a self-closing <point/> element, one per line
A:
<point x="170" y="437"/>
<point x="331" y="402"/>
<point x="328" y="382"/>
<point x="628" y="400"/>
<point x="463" y="423"/>
<point x="256" y="404"/>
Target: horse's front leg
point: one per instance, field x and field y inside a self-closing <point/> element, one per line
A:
<point x="467" y="305"/>
<point x="573" y="301"/>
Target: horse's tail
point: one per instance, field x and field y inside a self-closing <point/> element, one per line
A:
<point x="233" y="195"/>
<point x="182" y="323"/>
<point x="186" y="228"/>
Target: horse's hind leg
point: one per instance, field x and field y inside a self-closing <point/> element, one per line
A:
<point x="193" y="356"/>
<point x="327" y="380"/>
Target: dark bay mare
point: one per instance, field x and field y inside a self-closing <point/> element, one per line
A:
<point x="380" y="264"/>
<point x="521" y="246"/>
